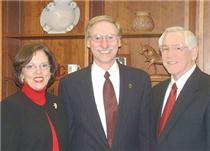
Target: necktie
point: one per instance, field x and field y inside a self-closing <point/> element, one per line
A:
<point x="110" y="105"/>
<point x="168" y="108"/>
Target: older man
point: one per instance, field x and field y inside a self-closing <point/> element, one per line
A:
<point x="182" y="103"/>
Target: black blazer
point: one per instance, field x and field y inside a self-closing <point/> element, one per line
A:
<point x="85" y="128"/>
<point x="25" y="127"/>
<point x="188" y="127"/>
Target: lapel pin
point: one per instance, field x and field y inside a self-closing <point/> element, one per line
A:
<point x="130" y="85"/>
<point x="55" y="105"/>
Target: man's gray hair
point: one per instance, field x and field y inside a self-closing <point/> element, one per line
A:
<point x="190" y="38"/>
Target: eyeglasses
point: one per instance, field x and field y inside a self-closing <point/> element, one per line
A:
<point x="176" y="48"/>
<point x="109" y="38"/>
<point x="33" y="67"/>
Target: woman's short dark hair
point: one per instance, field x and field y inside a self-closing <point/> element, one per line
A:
<point x="24" y="56"/>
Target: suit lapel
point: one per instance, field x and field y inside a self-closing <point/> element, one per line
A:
<point x="183" y="101"/>
<point x="88" y="100"/>
<point x="122" y="107"/>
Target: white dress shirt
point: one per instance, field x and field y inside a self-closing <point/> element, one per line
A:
<point x="179" y="84"/>
<point x="97" y="75"/>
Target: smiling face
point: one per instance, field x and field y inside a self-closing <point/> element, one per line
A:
<point x="104" y="43"/>
<point x="179" y="58"/>
<point x="37" y="72"/>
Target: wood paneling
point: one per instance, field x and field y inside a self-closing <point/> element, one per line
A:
<point x="206" y="37"/>
<point x="96" y="8"/>
<point x="68" y="48"/>
<point x="9" y="51"/>
<point x="203" y="34"/>
<point x="0" y="50"/>
<point x="30" y="23"/>
<point x="164" y="14"/>
<point x="21" y="24"/>
<point x="11" y="17"/>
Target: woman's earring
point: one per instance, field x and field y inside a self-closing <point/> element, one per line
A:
<point x="21" y="79"/>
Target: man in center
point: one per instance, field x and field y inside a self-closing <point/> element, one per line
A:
<point x="108" y="103"/>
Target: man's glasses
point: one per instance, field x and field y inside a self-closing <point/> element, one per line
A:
<point x="176" y="48"/>
<point x="33" y="67"/>
<point x="109" y="38"/>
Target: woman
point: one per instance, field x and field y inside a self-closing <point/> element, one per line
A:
<point x="33" y="119"/>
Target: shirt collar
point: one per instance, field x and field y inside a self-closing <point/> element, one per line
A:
<point x="97" y="70"/>
<point x="182" y="80"/>
<point x="112" y="71"/>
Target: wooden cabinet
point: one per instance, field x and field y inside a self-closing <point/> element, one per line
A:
<point x="164" y="14"/>
<point x="21" y="24"/>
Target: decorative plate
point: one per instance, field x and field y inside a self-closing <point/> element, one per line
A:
<point x="60" y="16"/>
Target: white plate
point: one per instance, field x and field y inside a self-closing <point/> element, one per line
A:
<point x="60" y="17"/>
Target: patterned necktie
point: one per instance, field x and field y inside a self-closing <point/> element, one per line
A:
<point x="110" y="105"/>
<point x="168" y="108"/>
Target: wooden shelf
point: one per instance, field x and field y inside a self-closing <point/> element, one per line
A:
<point x="78" y="36"/>
<point x="45" y="36"/>
<point x="8" y="78"/>
<point x="142" y="35"/>
<point x="158" y="78"/>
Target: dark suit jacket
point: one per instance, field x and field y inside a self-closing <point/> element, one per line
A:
<point x="25" y="127"/>
<point x="86" y="131"/>
<point x="188" y="127"/>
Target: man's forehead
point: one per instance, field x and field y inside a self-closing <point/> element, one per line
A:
<point x="174" y="37"/>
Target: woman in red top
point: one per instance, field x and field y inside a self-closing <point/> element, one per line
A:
<point x="33" y="119"/>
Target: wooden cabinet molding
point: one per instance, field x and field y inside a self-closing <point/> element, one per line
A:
<point x="1" y="50"/>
